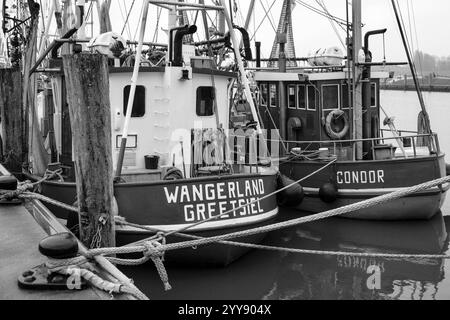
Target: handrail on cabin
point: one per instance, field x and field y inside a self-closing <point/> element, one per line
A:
<point x="433" y="144"/>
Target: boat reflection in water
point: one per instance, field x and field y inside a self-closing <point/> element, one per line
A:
<point x="274" y="275"/>
<point x="305" y="276"/>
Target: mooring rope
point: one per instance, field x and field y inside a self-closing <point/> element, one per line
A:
<point x="300" y="251"/>
<point x="72" y="267"/>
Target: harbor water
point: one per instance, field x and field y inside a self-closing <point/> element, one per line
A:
<point x="263" y="275"/>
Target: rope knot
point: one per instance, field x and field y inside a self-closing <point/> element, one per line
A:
<point x="154" y="252"/>
<point x="22" y="188"/>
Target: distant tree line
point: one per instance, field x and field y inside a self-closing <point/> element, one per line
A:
<point x="428" y="63"/>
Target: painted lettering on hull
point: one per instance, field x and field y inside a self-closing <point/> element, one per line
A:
<point x="204" y="201"/>
<point x="360" y="177"/>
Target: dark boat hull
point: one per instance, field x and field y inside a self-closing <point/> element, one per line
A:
<point x="362" y="180"/>
<point x="172" y="205"/>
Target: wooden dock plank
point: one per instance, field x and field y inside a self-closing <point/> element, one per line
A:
<point x="19" y="239"/>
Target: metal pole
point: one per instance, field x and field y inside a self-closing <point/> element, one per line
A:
<point x="357" y="74"/>
<point x="244" y="79"/>
<point x="134" y="80"/>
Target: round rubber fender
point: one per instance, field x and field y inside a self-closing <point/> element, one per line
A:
<point x="292" y="196"/>
<point x="333" y="116"/>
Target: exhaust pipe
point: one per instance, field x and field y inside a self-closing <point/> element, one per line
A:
<point x="178" y="43"/>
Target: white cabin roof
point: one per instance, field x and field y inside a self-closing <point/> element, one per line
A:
<point x="303" y="76"/>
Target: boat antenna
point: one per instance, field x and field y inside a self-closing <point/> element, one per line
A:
<point x="413" y="69"/>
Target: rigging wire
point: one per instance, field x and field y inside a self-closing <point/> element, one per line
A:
<point x="270" y="12"/>
<point x="158" y="19"/>
<point x="417" y="37"/>
<point x="322" y="4"/>
<point x="123" y="17"/>
<point x="125" y="10"/>
<point x="409" y="23"/>
<point x="262" y="21"/>
<point x="322" y="13"/>
<point x="128" y="17"/>
<point x="267" y="14"/>
<point x="137" y="26"/>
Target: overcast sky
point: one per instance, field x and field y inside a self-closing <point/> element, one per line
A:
<point x="312" y="31"/>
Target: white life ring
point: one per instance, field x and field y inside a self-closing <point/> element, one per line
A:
<point x="332" y="116"/>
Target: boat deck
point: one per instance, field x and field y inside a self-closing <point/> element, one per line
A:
<point x="19" y="238"/>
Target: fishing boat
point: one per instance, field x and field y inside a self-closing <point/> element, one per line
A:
<point x="170" y="147"/>
<point x="330" y="109"/>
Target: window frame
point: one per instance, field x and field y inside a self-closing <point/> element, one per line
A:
<point x="296" y="103"/>
<point x="136" y="101"/>
<point x="305" y="94"/>
<point x="307" y="98"/>
<point x="338" y="97"/>
<point x="262" y="94"/>
<point x="373" y="85"/>
<point x="273" y="85"/>
<point x="197" y="101"/>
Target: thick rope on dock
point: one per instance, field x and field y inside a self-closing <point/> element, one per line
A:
<point x="75" y="270"/>
<point x="151" y="252"/>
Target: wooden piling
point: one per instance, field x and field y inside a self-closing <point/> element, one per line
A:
<point x="12" y="119"/>
<point x="87" y="82"/>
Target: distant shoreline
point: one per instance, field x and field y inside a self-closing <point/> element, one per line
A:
<point x="433" y="88"/>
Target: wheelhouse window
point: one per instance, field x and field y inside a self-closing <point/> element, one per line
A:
<point x="205" y="101"/>
<point x="301" y="94"/>
<point x="330" y="97"/>
<point x="264" y="94"/>
<point x="273" y="96"/>
<point x="139" y="101"/>
<point x="311" y="98"/>
<point x="291" y="97"/>
<point x="373" y="95"/>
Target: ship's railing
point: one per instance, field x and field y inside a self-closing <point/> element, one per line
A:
<point x="407" y="144"/>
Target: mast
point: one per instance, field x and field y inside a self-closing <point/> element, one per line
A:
<point x="357" y="75"/>
<point x="285" y="26"/>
